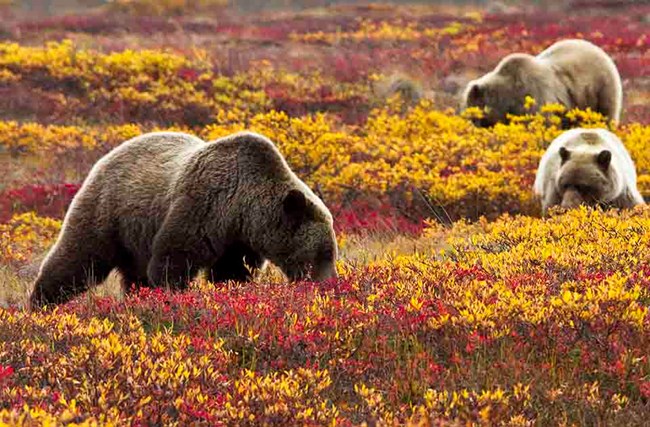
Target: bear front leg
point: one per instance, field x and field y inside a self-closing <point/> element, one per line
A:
<point x="181" y="248"/>
<point x="132" y="281"/>
<point x="235" y="263"/>
<point x="173" y="269"/>
<point x="133" y="274"/>
<point x="551" y="198"/>
<point x="627" y="200"/>
<point x="64" y="275"/>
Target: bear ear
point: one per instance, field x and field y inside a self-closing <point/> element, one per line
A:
<point x="295" y="205"/>
<point x="564" y="154"/>
<point x="604" y="158"/>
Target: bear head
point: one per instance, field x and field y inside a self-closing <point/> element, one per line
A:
<point x="306" y="243"/>
<point x="584" y="178"/>
<point x="504" y="90"/>
<point x="281" y="217"/>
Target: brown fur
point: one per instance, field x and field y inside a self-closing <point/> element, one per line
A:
<point x="573" y="73"/>
<point x="163" y="206"/>
<point x="583" y="178"/>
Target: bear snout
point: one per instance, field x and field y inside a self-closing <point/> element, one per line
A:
<point x="483" y="122"/>
<point x="325" y="271"/>
<point x="572" y="199"/>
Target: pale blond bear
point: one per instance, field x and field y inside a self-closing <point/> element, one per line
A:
<point x="573" y="73"/>
<point x="587" y="167"/>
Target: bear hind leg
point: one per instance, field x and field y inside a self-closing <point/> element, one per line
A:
<point x="609" y="102"/>
<point x="65" y="275"/>
<point x="233" y="264"/>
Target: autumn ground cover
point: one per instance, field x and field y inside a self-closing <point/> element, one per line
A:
<point x="456" y="304"/>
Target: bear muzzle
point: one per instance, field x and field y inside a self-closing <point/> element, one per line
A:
<point x="572" y="199"/>
<point x="325" y="271"/>
<point x="484" y="122"/>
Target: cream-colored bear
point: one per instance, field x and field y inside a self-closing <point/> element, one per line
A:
<point x="573" y="73"/>
<point x="587" y="167"/>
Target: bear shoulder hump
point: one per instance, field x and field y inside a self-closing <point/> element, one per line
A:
<point x="252" y="148"/>
<point x="256" y="146"/>
<point x="516" y="63"/>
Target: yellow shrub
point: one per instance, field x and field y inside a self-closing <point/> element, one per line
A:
<point x="26" y="235"/>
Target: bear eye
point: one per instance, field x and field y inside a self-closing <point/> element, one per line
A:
<point x="583" y="189"/>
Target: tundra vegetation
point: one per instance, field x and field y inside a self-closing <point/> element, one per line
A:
<point x="457" y="303"/>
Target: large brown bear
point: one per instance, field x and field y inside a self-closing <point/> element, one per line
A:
<point x="587" y="167"/>
<point x="573" y="73"/>
<point x="165" y="205"/>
